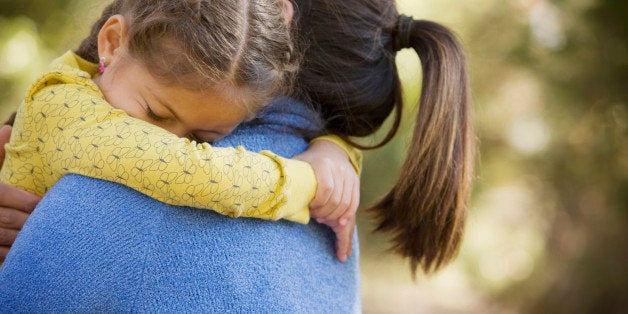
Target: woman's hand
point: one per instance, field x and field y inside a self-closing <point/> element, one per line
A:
<point x="15" y="204"/>
<point x="338" y="192"/>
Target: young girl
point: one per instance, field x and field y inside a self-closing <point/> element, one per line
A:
<point x="170" y="71"/>
<point x="349" y="73"/>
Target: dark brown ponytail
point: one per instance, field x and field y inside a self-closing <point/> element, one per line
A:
<point x="349" y="73"/>
<point x="426" y="208"/>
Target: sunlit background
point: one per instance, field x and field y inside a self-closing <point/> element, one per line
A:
<point x="547" y="229"/>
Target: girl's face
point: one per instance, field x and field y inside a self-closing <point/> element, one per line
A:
<point x="205" y="115"/>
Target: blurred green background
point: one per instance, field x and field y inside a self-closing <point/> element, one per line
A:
<point x="547" y="229"/>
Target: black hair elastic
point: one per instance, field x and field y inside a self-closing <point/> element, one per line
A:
<point x="402" y="36"/>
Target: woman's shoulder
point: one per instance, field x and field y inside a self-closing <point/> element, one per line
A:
<point x="285" y="127"/>
<point x="290" y="111"/>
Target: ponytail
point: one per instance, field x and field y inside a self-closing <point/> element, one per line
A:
<point x="349" y="74"/>
<point x="426" y="208"/>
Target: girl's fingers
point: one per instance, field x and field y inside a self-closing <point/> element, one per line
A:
<point x="350" y="199"/>
<point x="333" y="194"/>
<point x="339" y="201"/>
<point x="355" y="203"/>
<point x="344" y="236"/>
<point x="324" y="190"/>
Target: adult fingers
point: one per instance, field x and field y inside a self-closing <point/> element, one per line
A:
<point x="12" y="197"/>
<point x="7" y="236"/>
<point x="4" y="250"/>
<point x="11" y="218"/>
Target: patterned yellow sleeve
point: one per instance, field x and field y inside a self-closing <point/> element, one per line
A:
<point x="68" y="128"/>
<point x="354" y="154"/>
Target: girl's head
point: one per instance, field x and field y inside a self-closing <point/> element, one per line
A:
<point x="237" y="51"/>
<point x="349" y="73"/>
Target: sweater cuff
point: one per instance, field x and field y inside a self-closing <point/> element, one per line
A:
<point x="354" y="154"/>
<point x="299" y="188"/>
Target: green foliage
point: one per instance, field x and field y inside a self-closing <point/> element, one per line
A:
<point x="33" y="33"/>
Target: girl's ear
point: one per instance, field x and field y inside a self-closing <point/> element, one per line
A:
<point x="112" y="37"/>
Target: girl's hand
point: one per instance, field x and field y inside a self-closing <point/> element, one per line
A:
<point x="15" y="204"/>
<point x="338" y="192"/>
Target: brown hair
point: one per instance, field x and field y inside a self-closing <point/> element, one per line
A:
<point x="349" y="74"/>
<point x="202" y="44"/>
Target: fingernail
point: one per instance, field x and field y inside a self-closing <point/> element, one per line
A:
<point x="343" y="221"/>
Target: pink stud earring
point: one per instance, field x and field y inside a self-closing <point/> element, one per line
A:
<point x="102" y="65"/>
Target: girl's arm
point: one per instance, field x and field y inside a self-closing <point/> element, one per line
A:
<point x="59" y="132"/>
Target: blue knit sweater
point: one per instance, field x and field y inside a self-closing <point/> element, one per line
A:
<point x="96" y="246"/>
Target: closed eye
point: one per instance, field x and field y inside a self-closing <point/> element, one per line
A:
<point x="152" y="115"/>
